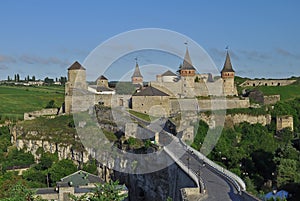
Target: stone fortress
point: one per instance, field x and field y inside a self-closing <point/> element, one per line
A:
<point x="169" y="91"/>
<point x="169" y="94"/>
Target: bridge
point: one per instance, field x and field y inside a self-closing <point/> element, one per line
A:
<point x="214" y="183"/>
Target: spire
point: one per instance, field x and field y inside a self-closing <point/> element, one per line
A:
<point x="227" y="65"/>
<point x="187" y="62"/>
<point x="137" y="72"/>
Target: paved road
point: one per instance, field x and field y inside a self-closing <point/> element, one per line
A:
<point x="217" y="187"/>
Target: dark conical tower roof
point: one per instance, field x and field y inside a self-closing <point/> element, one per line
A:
<point x="76" y="66"/>
<point x="102" y="77"/>
<point x="187" y="62"/>
<point x="137" y="72"/>
<point x="227" y="65"/>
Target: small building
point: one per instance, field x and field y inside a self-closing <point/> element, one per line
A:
<point x="169" y="76"/>
<point x="285" y="121"/>
<point x="78" y="183"/>
<point x="151" y="101"/>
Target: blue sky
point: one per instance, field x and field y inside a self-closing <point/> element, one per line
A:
<point x="43" y="38"/>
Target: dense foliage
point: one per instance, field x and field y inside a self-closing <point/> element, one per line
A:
<point x="263" y="157"/>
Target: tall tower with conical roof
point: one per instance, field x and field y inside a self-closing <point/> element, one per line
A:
<point x="137" y="77"/>
<point x="187" y="74"/>
<point x="187" y="69"/>
<point x="227" y="74"/>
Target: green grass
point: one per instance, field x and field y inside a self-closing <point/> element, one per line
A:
<point x="143" y="116"/>
<point x="286" y="93"/>
<point x="16" y="100"/>
<point x="57" y="130"/>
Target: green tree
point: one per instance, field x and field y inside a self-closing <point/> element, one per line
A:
<point x="20" y="193"/>
<point x="61" y="169"/>
<point x="90" y="167"/>
<point x="287" y="171"/>
<point x="110" y="191"/>
<point x="147" y="144"/>
<point x="51" y="104"/>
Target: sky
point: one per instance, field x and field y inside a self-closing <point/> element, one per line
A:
<point x="43" y="38"/>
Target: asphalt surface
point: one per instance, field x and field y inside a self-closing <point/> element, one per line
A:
<point x="217" y="187"/>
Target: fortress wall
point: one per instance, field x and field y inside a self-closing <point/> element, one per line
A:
<point x="152" y="105"/>
<point x="284" y="121"/>
<point x="201" y="89"/>
<point x="43" y="112"/>
<point x="171" y="88"/>
<point x="267" y="83"/>
<point x="271" y="100"/>
<point x="193" y="104"/>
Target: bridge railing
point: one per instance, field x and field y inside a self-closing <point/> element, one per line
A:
<point x="198" y="180"/>
<point x="236" y="180"/>
<point x="188" y="171"/>
<point x="194" y="176"/>
<point x="233" y="178"/>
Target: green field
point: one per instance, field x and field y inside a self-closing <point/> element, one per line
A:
<point x="286" y="92"/>
<point x="15" y="100"/>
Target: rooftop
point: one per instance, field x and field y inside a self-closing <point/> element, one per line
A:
<point x="150" y="91"/>
<point x="76" y="66"/>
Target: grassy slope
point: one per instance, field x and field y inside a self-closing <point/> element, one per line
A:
<point x="15" y="100"/>
<point x="286" y="92"/>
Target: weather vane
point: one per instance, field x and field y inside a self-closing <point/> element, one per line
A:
<point x="135" y="59"/>
<point x="186" y="43"/>
<point x="227" y="47"/>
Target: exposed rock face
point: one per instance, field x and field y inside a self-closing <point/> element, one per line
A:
<point x="35" y="145"/>
<point x="64" y="151"/>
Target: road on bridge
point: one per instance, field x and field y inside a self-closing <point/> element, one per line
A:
<point x="218" y="188"/>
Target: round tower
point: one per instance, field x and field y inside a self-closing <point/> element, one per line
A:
<point x="187" y="74"/>
<point x="137" y="77"/>
<point x="227" y="75"/>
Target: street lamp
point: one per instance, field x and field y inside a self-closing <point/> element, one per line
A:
<point x="188" y="160"/>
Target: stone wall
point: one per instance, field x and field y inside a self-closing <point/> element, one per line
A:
<point x="193" y="104"/>
<point x="233" y="119"/>
<point x="271" y="99"/>
<point x="157" y="185"/>
<point x="153" y="105"/>
<point x="248" y="197"/>
<point x="43" y="112"/>
<point x="285" y="121"/>
<point x="256" y="83"/>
